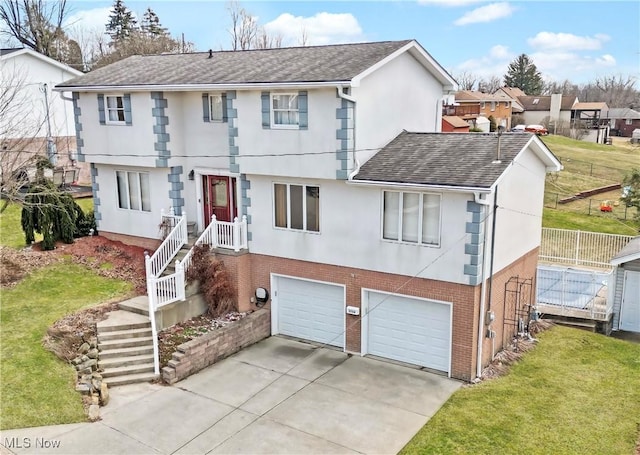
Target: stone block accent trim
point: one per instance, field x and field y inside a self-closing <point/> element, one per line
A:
<point x="232" y="120"/>
<point x="475" y="242"/>
<point x="77" y="113"/>
<point x="212" y="347"/>
<point x="175" y="189"/>
<point x="160" y="129"/>
<point x="94" y="189"/>
<point x="345" y="137"/>
<point x="245" y="187"/>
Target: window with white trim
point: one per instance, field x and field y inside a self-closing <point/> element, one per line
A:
<point x="296" y="206"/>
<point x="134" y="191"/>
<point x="493" y="106"/>
<point x="482" y="104"/>
<point x="411" y="217"/>
<point x="216" y="109"/>
<point x="284" y="110"/>
<point x="115" y="109"/>
<point x="628" y="121"/>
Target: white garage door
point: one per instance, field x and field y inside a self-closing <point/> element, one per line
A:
<point x="310" y="310"/>
<point x="630" y="311"/>
<point x="409" y="330"/>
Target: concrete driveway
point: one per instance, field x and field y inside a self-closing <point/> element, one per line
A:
<point x="278" y="396"/>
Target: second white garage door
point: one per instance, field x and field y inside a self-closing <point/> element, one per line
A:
<point x="309" y="310"/>
<point x="408" y="329"/>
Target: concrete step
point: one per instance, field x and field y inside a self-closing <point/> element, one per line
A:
<point x="588" y="326"/>
<point x="125" y="343"/>
<point x="126" y="352"/>
<point x="117" y="362"/>
<point x="138" y="305"/>
<point x="127" y="370"/>
<point x="125" y="334"/>
<point x="122" y="320"/>
<point x="131" y="378"/>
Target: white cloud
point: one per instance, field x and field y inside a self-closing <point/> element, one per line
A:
<point x="606" y="60"/>
<point x="89" y="19"/>
<point x="570" y="65"/>
<point x="448" y="2"/>
<point x="499" y="52"/>
<point x="486" y="13"/>
<point x="321" y="28"/>
<point x="566" y="41"/>
<point x="493" y="64"/>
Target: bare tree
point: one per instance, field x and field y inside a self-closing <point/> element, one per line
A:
<point x="264" y="40"/>
<point x="618" y="91"/>
<point x="466" y="80"/>
<point x="490" y="85"/>
<point x="303" y="40"/>
<point x="244" y="27"/>
<point x="36" y="24"/>
<point x="93" y="44"/>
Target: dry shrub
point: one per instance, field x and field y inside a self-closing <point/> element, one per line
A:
<point x="216" y="284"/>
<point x="539" y="325"/>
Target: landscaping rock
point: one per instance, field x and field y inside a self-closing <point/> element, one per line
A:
<point x="84" y="348"/>
<point x="92" y="354"/>
<point x="93" y="343"/>
<point x="94" y="412"/>
<point x="104" y="394"/>
<point x="83" y="388"/>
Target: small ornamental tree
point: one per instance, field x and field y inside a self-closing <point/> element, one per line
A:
<point x="215" y="281"/>
<point x="631" y="191"/>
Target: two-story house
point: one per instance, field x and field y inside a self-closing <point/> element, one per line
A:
<point x="371" y="230"/>
<point x="497" y="105"/>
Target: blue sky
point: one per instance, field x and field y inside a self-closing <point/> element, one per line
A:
<point x="571" y="40"/>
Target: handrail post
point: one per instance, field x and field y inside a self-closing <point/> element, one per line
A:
<point x="236" y="235"/>
<point x="151" y="292"/>
<point x="214" y="234"/>
<point x="180" y="279"/>
<point x="245" y="234"/>
<point x="577" y="246"/>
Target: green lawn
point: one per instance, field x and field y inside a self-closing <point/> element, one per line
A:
<point x="575" y="393"/>
<point x="11" y="234"/>
<point x="588" y="166"/>
<point x="36" y="388"/>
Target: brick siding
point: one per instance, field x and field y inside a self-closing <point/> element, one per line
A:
<point x="212" y="347"/>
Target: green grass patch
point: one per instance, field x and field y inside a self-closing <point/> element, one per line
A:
<point x="11" y="233"/>
<point x="106" y="266"/>
<point x="576" y="392"/>
<point x="37" y="388"/>
<point x="559" y="219"/>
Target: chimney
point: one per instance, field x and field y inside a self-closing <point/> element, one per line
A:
<point x="210" y="53"/>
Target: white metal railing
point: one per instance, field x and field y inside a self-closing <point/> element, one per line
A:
<point x="574" y="293"/>
<point x="593" y="249"/>
<point x="167" y="250"/>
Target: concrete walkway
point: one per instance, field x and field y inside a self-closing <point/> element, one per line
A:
<point x="278" y="396"/>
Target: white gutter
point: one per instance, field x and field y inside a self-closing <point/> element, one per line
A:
<point x="483" y="298"/>
<point x="455" y="189"/>
<point x="198" y="87"/>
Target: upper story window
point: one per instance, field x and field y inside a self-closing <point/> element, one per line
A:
<point x="134" y="191"/>
<point x="411" y="217"/>
<point x="296" y="206"/>
<point x="285" y="110"/>
<point x="214" y="107"/>
<point x="482" y="104"/>
<point x="114" y="109"/>
<point x="628" y="121"/>
<point x="493" y="106"/>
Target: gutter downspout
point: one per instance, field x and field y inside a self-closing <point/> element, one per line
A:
<point x="486" y="203"/>
<point x="351" y="99"/>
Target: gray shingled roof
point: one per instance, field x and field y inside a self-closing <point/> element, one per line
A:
<point x="295" y="64"/>
<point x="9" y="51"/>
<point x="449" y="159"/>
<point x="623" y="113"/>
<point x="630" y="252"/>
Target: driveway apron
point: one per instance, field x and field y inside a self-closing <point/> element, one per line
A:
<point x="278" y="396"/>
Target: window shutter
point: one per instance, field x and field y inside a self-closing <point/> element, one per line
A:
<point x="101" y="108"/>
<point x="225" y="117"/>
<point x="126" y="100"/>
<point x="205" y="107"/>
<point x="266" y="110"/>
<point x="303" y="118"/>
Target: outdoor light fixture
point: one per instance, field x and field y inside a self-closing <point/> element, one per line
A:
<point x="262" y="295"/>
<point x="191" y="175"/>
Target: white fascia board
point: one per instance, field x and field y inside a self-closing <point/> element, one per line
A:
<point x="545" y="155"/>
<point x="624" y="259"/>
<point x="420" y="54"/>
<point x="45" y="59"/>
<point x="200" y="87"/>
<point x="414" y="186"/>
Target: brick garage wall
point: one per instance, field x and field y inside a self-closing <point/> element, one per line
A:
<point x="465" y="298"/>
<point x="207" y="349"/>
<point x="523" y="268"/>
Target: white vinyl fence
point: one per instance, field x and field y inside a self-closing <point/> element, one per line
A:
<point x="592" y="249"/>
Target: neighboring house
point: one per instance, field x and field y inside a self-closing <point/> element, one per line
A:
<point x="626" y="291"/>
<point x="553" y="110"/>
<point x="496" y="105"/>
<point x="367" y="237"/>
<point x="36" y="112"/>
<point x="454" y="124"/>
<point x="513" y="93"/>
<point x="591" y="118"/>
<point x="623" y="121"/>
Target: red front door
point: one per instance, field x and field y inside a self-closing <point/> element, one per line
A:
<point x="219" y="197"/>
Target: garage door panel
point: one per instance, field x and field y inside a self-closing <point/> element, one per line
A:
<point x="630" y="311"/>
<point x="409" y="330"/>
<point x="310" y="310"/>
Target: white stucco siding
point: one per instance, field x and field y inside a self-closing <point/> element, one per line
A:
<point x="519" y="216"/>
<point x="296" y="146"/>
<point x="114" y="144"/>
<point x="131" y="222"/>
<point x="401" y="95"/>
<point x="350" y="232"/>
<point x="29" y="118"/>
<point x="194" y="142"/>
